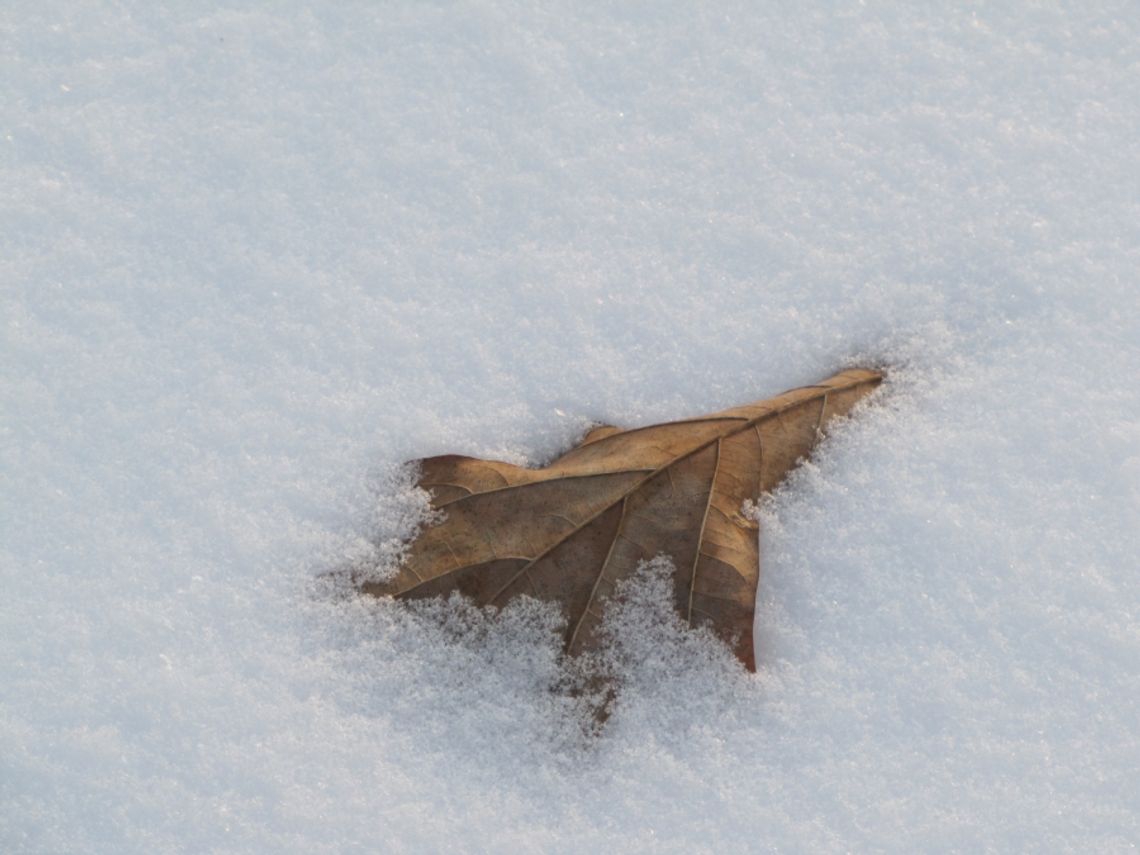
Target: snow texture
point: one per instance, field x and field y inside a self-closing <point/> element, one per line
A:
<point x="255" y="256"/>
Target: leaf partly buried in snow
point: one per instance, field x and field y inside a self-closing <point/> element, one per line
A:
<point x="569" y="531"/>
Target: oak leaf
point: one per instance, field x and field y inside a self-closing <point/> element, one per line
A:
<point x="568" y="532"/>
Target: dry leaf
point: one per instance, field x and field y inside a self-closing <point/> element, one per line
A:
<point x="569" y="531"/>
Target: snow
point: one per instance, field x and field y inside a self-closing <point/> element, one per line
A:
<point x="253" y="257"/>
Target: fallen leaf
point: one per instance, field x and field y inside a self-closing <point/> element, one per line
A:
<point x="568" y="532"/>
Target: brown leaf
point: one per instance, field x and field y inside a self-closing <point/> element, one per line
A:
<point x="569" y="531"/>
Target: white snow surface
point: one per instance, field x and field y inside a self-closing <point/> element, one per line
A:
<point x="255" y="256"/>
